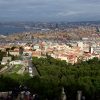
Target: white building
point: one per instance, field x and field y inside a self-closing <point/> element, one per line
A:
<point x="80" y="44"/>
<point x="15" y="53"/>
<point x="5" y="60"/>
<point x="16" y="62"/>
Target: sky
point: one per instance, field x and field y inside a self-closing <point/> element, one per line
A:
<point x="49" y="10"/>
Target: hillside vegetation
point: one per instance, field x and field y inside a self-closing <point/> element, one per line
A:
<point x="55" y="74"/>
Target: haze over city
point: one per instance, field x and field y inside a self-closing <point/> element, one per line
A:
<point x="49" y="10"/>
<point x="49" y="50"/>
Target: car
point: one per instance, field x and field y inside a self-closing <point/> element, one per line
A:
<point x="30" y="70"/>
<point x="31" y="75"/>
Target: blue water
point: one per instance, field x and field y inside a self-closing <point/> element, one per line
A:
<point x="9" y="30"/>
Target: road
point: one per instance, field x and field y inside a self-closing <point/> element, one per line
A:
<point x="29" y="66"/>
<point x="34" y="70"/>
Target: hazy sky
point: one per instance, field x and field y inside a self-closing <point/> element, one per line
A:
<point x="49" y="10"/>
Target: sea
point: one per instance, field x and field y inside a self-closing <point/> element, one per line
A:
<point x="5" y="30"/>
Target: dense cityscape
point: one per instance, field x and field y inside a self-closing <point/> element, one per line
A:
<point x="44" y="64"/>
<point x="49" y="50"/>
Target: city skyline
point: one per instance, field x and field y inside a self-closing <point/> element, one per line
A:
<point x="49" y="10"/>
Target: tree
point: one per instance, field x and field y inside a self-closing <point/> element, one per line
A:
<point x="7" y="50"/>
<point x="21" y="49"/>
<point x="13" y="47"/>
